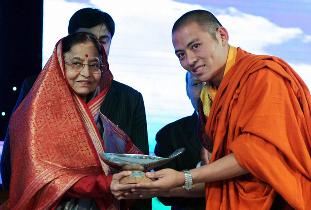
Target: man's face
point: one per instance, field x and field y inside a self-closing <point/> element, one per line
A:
<point x="102" y="34"/>
<point x="200" y="53"/>
<point x="193" y="87"/>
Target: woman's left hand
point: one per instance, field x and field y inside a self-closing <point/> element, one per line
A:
<point x="119" y="190"/>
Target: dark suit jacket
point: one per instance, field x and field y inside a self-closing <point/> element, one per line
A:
<point x="123" y="105"/>
<point x="181" y="133"/>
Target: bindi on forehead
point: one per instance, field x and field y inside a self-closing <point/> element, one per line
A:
<point x="86" y="55"/>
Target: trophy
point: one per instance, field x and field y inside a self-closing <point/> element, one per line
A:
<point x="137" y="163"/>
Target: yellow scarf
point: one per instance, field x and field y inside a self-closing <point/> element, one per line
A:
<point x="208" y="92"/>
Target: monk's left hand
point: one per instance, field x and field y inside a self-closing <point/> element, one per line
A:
<point x="205" y="156"/>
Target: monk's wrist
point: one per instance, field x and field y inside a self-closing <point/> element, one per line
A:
<point x="180" y="179"/>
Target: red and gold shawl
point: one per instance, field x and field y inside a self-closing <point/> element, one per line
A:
<point x="262" y="114"/>
<point x="55" y="140"/>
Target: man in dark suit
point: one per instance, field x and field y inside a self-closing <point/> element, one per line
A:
<point x="183" y="133"/>
<point x="123" y="105"/>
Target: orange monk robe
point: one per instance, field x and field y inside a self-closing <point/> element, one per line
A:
<point x="261" y="113"/>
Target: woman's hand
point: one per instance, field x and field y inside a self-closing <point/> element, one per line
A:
<point x="119" y="190"/>
<point x="163" y="181"/>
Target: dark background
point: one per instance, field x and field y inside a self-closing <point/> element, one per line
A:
<point x="20" y="50"/>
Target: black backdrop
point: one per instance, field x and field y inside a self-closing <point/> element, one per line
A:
<point x="20" y="49"/>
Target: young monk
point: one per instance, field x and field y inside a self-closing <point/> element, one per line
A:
<point x="259" y="124"/>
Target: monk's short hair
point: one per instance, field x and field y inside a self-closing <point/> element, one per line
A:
<point x="204" y="18"/>
<point x="88" y="18"/>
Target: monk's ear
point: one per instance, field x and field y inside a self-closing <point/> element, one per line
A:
<point x="223" y="34"/>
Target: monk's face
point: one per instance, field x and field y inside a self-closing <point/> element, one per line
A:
<point x="201" y="53"/>
<point x="82" y="68"/>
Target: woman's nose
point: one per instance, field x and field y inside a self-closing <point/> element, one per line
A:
<point x="85" y="71"/>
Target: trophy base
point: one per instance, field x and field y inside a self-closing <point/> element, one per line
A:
<point x="135" y="177"/>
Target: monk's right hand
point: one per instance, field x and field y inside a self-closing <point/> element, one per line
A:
<point x="163" y="180"/>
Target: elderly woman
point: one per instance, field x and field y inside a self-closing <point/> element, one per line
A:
<point x="58" y="132"/>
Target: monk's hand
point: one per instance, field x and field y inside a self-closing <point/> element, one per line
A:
<point x="120" y="191"/>
<point x="205" y="156"/>
<point x="163" y="181"/>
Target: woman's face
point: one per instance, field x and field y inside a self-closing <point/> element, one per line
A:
<point x="82" y="68"/>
